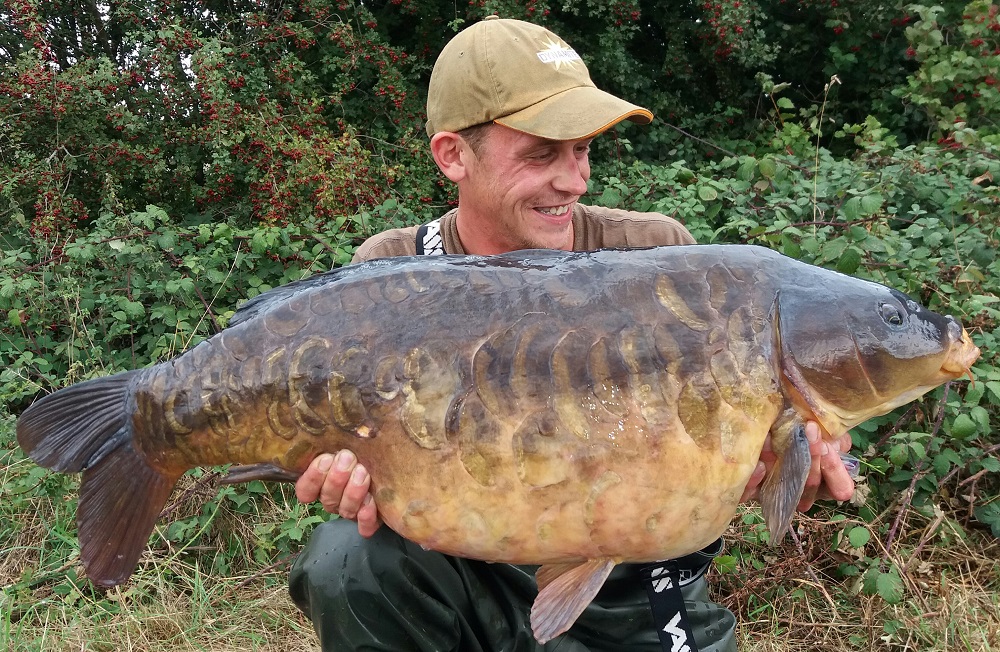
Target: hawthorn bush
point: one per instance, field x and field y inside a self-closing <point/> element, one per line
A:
<point x="266" y="113"/>
<point x="250" y="113"/>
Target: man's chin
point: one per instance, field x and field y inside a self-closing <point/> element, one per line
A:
<point x="562" y="240"/>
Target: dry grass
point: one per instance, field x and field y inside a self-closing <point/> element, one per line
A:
<point x="164" y="618"/>
<point x="951" y="601"/>
<point x="173" y="601"/>
<point x="177" y="600"/>
<point x="951" y="604"/>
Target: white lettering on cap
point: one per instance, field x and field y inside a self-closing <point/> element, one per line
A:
<point x="558" y="54"/>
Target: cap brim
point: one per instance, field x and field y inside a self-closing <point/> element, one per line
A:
<point x="580" y="112"/>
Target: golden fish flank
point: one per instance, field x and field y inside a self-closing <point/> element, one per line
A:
<point x="564" y="409"/>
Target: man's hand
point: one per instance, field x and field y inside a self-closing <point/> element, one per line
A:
<point x="828" y="477"/>
<point x="341" y="485"/>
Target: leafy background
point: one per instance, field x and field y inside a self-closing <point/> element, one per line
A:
<point x="160" y="162"/>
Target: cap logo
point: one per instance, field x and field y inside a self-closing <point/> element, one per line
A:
<point x="558" y="54"/>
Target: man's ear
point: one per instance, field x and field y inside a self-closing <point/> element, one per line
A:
<point x="451" y="153"/>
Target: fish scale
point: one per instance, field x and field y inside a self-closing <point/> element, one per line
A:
<point x="554" y="408"/>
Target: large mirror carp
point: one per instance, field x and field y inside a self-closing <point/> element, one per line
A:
<point x="574" y="410"/>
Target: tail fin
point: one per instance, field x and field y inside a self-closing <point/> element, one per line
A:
<point x="87" y="427"/>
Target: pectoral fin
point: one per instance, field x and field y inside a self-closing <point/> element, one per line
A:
<point x="783" y="486"/>
<point x="566" y="590"/>
<point x="263" y="472"/>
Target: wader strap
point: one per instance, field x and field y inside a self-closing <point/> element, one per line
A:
<point x="663" y="581"/>
<point x="429" y="241"/>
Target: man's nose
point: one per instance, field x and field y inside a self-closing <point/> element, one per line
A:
<point x="572" y="175"/>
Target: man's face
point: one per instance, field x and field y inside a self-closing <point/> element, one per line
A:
<point x="520" y="189"/>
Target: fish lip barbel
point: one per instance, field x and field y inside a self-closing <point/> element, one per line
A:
<point x="960" y="362"/>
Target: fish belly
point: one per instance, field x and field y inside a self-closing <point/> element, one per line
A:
<point x="633" y="494"/>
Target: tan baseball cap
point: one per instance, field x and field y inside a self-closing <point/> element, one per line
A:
<point x="521" y="76"/>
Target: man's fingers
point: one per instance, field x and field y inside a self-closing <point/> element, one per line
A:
<point x="355" y="492"/>
<point x="828" y="476"/>
<point x="342" y="485"/>
<point x="753" y="486"/>
<point x="336" y="481"/>
<point x="817" y="449"/>
<point x="844" y="443"/>
<point x="837" y="481"/>
<point x="368" y="521"/>
<point x="308" y="486"/>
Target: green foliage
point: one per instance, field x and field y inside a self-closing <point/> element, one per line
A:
<point x="245" y="112"/>
<point x="140" y="287"/>
<point x="162" y="163"/>
<point x="886" y="584"/>
<point x="990" y="515"/>
<point x="315" y="107"/>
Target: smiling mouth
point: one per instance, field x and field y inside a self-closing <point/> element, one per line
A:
<point x="554" y="211"/>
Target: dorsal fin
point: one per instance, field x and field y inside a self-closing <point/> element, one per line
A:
<point x="519" y="259"/>
<point x="260" y="303"/>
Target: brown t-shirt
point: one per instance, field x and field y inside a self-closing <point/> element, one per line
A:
<point x="594" y="227"/>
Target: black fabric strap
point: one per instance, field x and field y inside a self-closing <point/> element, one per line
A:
<point x="663" y="581"/>
<point x="429" y="240"/>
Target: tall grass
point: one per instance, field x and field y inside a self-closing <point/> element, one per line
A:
<point x="210" y="592"/>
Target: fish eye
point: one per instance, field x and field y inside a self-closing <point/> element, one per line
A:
<point x="891" y="314"/>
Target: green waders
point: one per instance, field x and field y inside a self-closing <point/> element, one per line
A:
<point x="388" y="594"/>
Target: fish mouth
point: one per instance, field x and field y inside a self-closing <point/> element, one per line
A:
<point x="835" y="420"/>
<point x="961" y="358"/>
<point x="958" y="362"/>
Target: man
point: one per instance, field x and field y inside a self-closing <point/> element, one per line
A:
<point x="511" y="114"/>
